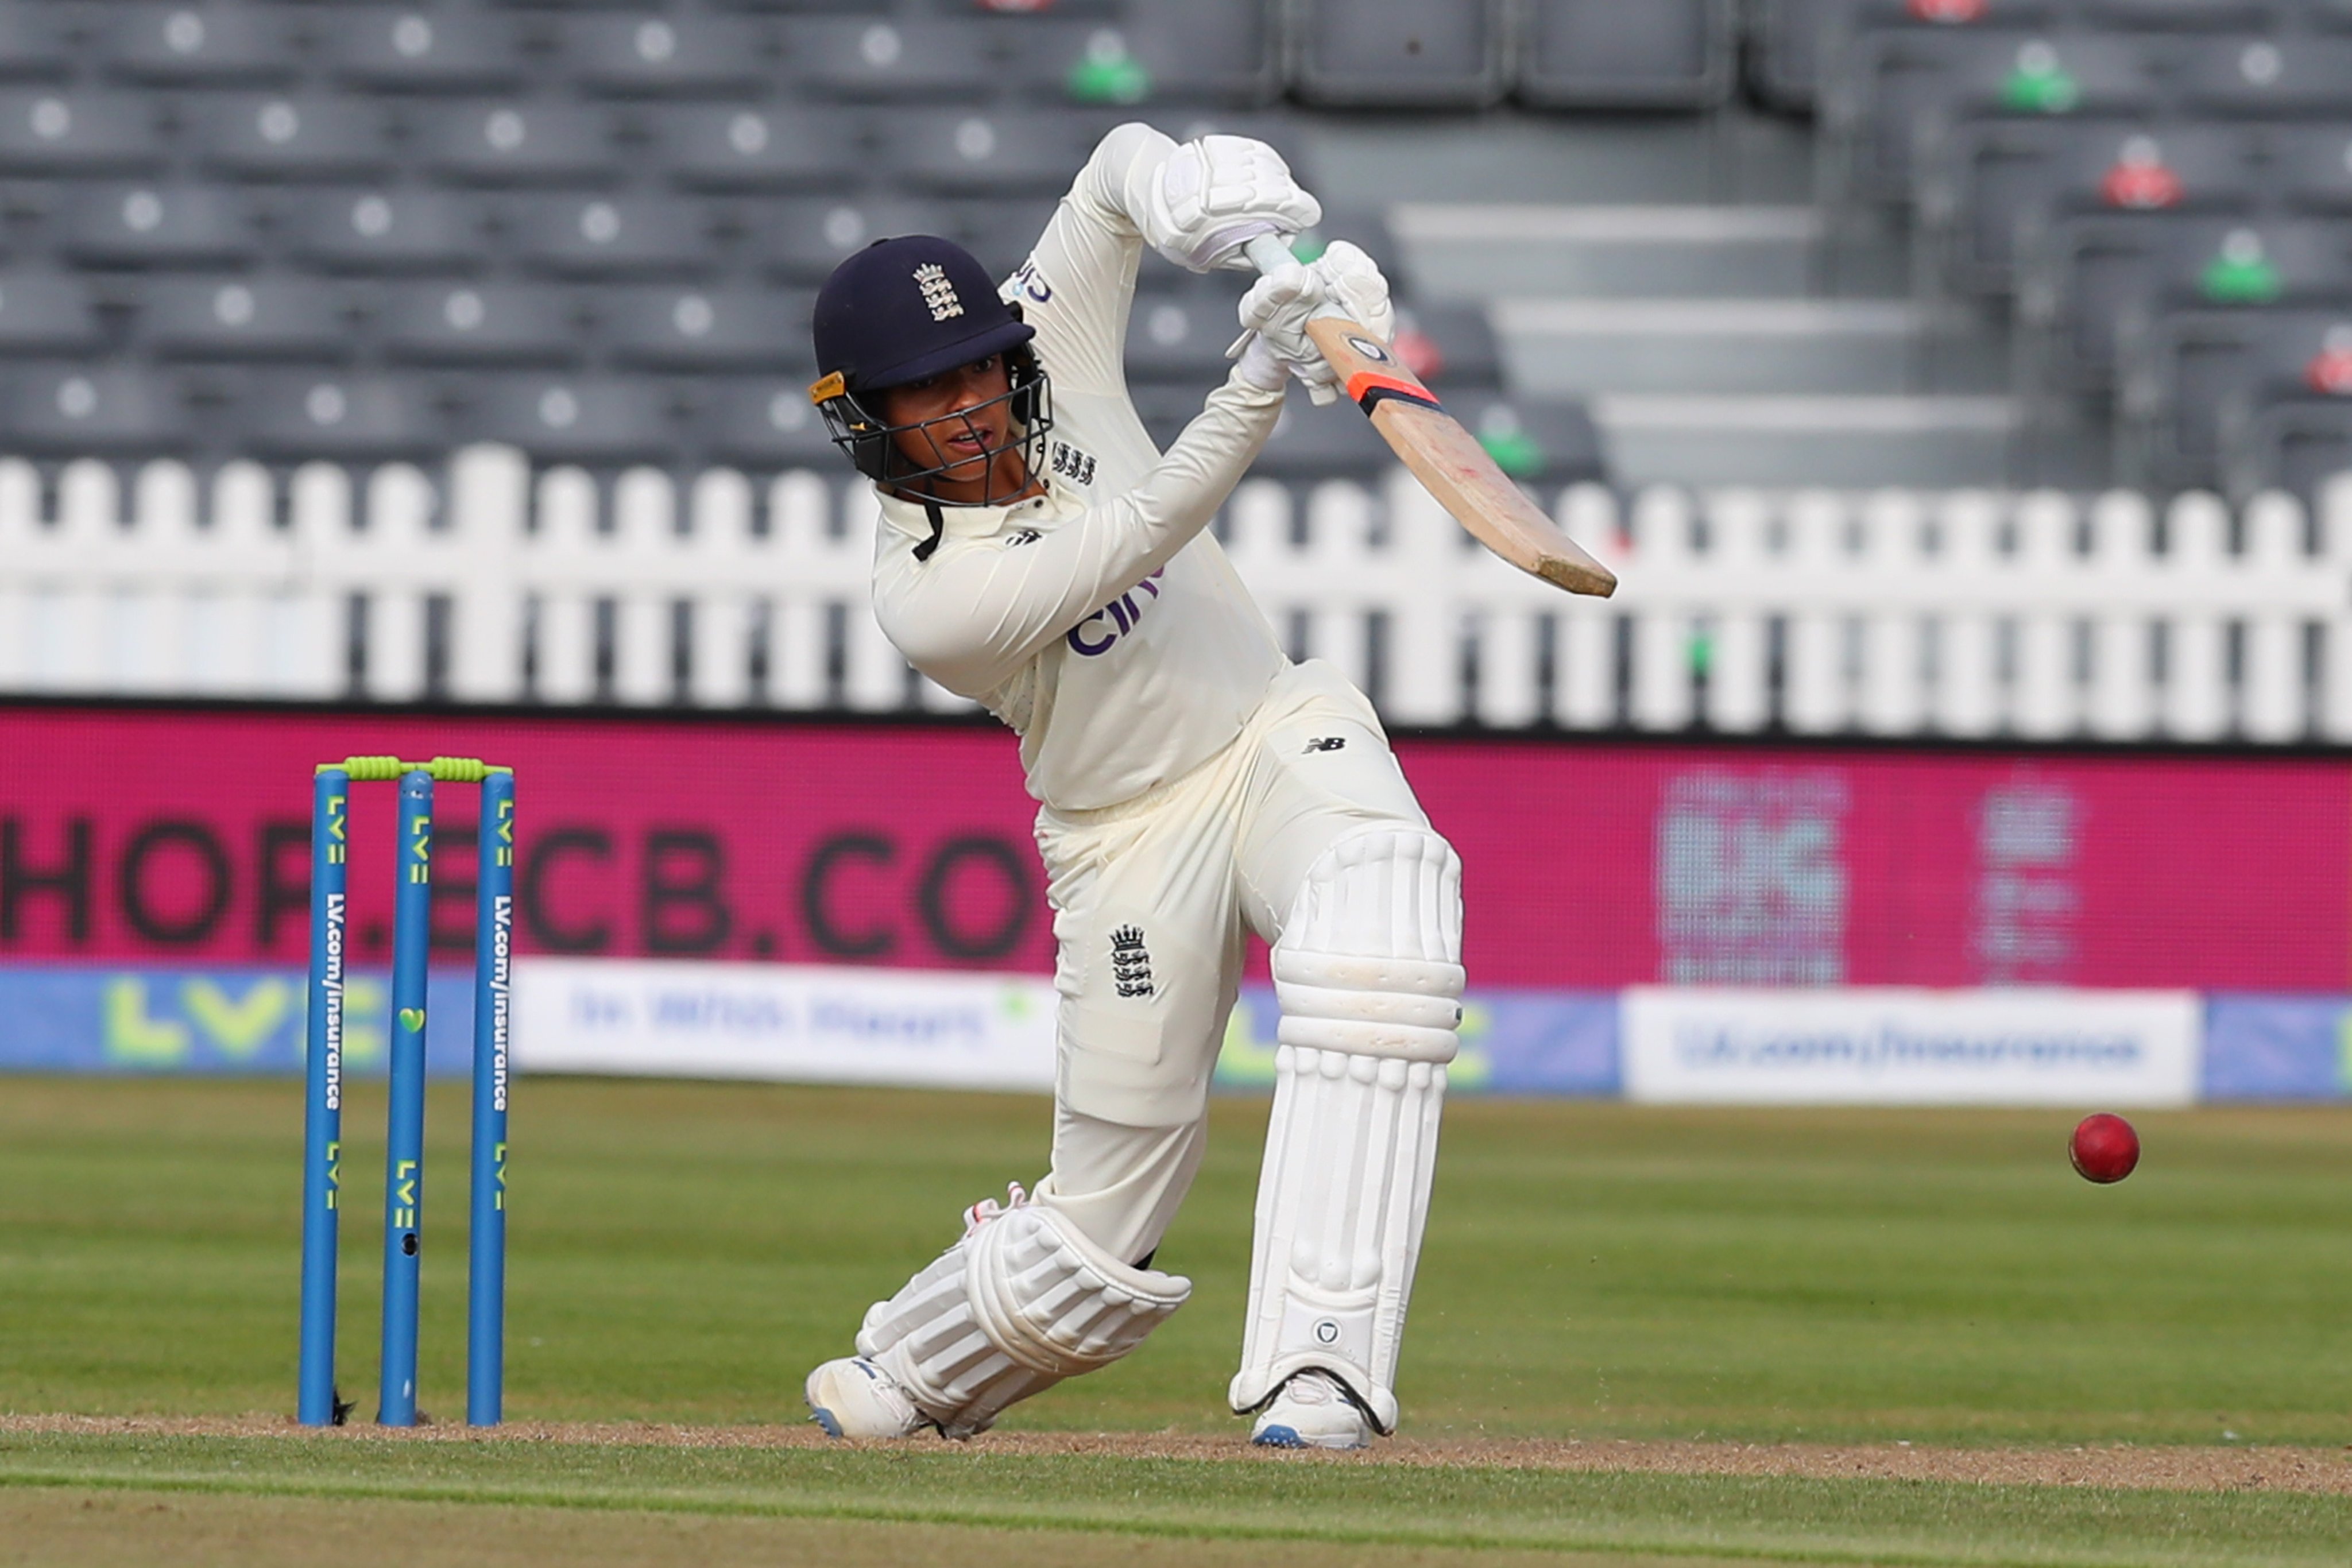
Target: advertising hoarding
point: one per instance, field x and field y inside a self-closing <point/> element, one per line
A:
<point x="1906" y="1046"/>
<point x="176" y="836"/>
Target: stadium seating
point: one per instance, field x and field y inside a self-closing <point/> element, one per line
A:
<point x="640" y="193"/>
<point x="359" y="231"/>
<point x="2144" y="180"/>
<point x="1599" y="54"/>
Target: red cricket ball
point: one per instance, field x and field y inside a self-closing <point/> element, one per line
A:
<point x="2104" y="1148"/>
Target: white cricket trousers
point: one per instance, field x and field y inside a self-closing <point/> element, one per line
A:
<point x="1151" y="900"/>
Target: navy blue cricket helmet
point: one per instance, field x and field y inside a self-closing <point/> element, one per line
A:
<point x="901" y="311"/>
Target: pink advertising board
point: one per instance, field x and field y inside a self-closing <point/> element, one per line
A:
<point x="172" y="834"/>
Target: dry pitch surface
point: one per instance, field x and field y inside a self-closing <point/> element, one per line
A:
<point x="2327" y="1472"/>
<point x="258" y="1491"/>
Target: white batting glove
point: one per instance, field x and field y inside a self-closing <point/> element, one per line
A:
<point x="1277" y="308"/>
<point x="1273" y="344"/>
<point x="1213" y="194"/>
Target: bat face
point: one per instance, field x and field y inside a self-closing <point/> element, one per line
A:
<point x="1451" y="465"/>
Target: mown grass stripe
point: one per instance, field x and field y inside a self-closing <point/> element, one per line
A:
<point x="689" y="1501"/>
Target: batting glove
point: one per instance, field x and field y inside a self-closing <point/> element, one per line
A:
<point x="1275" y="310"/>
<point x="1273" y="344"/>
<point x="1213" y="194"/>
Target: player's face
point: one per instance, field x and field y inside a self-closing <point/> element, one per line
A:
<point x="957" y="420"/>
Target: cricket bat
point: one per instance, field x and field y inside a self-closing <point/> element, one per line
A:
<point x="1447" y="459"/>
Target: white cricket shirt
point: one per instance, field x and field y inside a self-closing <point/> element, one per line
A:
<point x="1097" y="620"/>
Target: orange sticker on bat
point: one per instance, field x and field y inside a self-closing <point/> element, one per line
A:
<point x="1370" y="389"/>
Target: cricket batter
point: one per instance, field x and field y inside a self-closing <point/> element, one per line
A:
<point x="1036" y="553"/>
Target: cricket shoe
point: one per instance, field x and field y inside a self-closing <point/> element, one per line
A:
<point x="1311" y="1411"/>
<point x="853" y="1397"/>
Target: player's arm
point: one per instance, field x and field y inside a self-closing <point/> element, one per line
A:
<point x="979" y="610"/>
<point x="1193" y="204"/>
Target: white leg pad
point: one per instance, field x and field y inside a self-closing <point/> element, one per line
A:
<point x="1024" y="1301"/>
<point x="1368" y="974"/>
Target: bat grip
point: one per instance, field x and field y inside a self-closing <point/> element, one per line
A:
<point x="1269" y="251"/>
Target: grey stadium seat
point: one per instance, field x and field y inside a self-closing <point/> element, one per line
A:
<point x="2180" y="15"/>
<point x="75" y="410"/>
<point x="1209" y="52"/>
<point x="271" y="137"/>
<point x="960" y="152"/>
<point x="2100" y="273"/>
<point x="2047" y="76"/>
<point x="33" y="41"/>
<point x="212" y="45"/>
<point x="1367" y="227"/>
<point x="1165" y="409"/>
<point x="1549" y="439"/>
<point x="1999" y="178"/>
<point x="2269" y="77"/>
<point x="669" y="329"/>
<point x="2298" y="447"/>
<point x="264" y="317"/>
<point x="2315" y="164"/>
<point x="388" y="230"/>
<point x="1901" y="84"/>
<point x="765" y="423"/>
<point x="1001" y="233"/>
<point x="1399" y="54"/>
<point x="1330" y="442"/>
<point x="1456" y="344"/>
<point x="361" y="418"/>
<point x="2184" y="375"/>
<point x="1786" y="38"/>
<point x="157" y="225"/>
<point x="555" y="418"/>
<point x="803" y="238"/>
<point x="786" y="7"/>
<point x="1180" y="338"/>
<point x="1604" y="53"/>
<point x="472" y="323"/>
<point x="680" y="53"/>
<point x="514" y="143"/>
<point x="46" y="130"/>
<point x="908" y="58"/>
<point x="416" y="49"/>
<point x="755" y="147"/>
<point x="610" y="237"/>
<point x="46" y="313"/>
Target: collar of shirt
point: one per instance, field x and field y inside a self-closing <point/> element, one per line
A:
<point x="914" y="520"/>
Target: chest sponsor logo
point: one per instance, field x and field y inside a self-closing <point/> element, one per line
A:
<point x="1099" y="634"/>
<point x="1031" y="284"/>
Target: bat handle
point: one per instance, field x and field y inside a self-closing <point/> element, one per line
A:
<point x="1269" y="251"/>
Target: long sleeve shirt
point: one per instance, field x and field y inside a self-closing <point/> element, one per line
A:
<point x="1098" y="620"/>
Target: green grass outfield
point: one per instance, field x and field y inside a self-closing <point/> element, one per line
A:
<point x="681" y="1253"/>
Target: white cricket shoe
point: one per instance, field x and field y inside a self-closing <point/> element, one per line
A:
<point x="1311" y="1411"/>
<point x="853" y="1397"/>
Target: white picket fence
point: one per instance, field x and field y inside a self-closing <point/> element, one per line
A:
<point x="1961" y="614"/>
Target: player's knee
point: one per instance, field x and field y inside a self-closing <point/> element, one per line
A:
<point x="1056" y="1303"/>
<point x="1025" y="1300"/>
<point x="1370" y="962"/>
